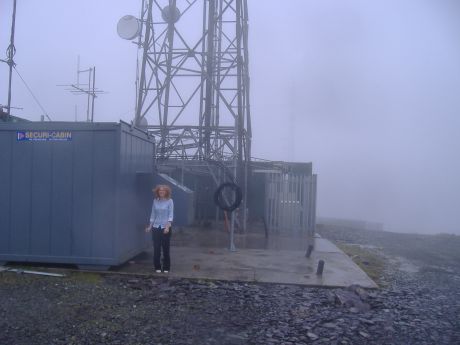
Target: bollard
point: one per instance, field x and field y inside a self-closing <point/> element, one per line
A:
<point x="320" y="269"/>
<point x="309" y="250"/>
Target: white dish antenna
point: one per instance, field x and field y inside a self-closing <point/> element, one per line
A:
<point x="128" y="27"/>
<point x="143" y="124"/>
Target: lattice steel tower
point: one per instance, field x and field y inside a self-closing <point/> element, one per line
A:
<point x="193" y="88"/>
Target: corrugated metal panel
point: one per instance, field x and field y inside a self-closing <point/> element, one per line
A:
<point x="290" y="203"/>
<point x="131" y="204"/>
<point x="5" y="189"/>
<point x="72" y="201"/>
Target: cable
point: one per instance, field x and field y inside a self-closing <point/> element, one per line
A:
<point x="35" y="98"/>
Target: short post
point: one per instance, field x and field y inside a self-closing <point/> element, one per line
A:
<point x="320" y="269"/>
<point x="309" y="250"/>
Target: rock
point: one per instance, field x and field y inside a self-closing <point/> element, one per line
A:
<point x="237" y="336"/>
<point x="358" y="290"/>
<point x="350" y="299"/>
<point x="329" y="325"/>
<point x="312" y="336"/>
<point x="364" y="334"/>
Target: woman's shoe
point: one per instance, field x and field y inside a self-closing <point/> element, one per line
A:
<point x="157" y="271"/>
<point x="165" y="271"/>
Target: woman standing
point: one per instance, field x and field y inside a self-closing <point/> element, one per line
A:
<point x="160" y="225"/>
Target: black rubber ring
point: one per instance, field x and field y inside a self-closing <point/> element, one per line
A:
<point x="218" y="196"/>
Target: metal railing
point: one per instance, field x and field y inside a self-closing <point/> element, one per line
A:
<point x="290" y="203"/>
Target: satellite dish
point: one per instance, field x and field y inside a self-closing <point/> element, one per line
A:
<point x="128" y="27"/>
<point x="143" y="124"/>
<point x="170" y="14"/>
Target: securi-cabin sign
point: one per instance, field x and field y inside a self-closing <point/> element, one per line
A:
<point x="44" y="135"/>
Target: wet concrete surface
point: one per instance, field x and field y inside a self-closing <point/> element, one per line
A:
<point x="204" y="254"/>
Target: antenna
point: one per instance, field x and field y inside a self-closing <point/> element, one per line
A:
<point x="194" y="88"/>
<point x="128" y="27"/>
<point x="4" y="116"/>
<point x="85" y="89"/>
<point x="10" y="52"/>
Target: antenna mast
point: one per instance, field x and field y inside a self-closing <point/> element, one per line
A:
<point x="193" y="90"/>
<point x="85" y="89"/>
<point x="10" y="52"/>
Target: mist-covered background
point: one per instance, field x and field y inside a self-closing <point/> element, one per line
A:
<point x="369" y="91"/>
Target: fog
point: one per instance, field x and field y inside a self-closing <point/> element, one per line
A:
<point x="369" y="91"/>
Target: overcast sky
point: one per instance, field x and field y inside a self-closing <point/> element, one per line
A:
<point x="369" y="91"/>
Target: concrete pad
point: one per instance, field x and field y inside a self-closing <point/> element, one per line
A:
<point x="279" y="266"/>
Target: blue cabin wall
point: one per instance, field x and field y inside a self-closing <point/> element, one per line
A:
<point x="72" y="201"/>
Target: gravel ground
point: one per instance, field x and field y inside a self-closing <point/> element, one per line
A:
<point x="419" y="303"/>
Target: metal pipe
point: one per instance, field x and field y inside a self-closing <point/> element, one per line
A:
<point x="140" y="97"/>
<point x="240" y="118"/>
<point x="218" y="62"/>
<point x="232" y="232"/>
<point x="10" y="54"/>
<point x="247" y="80"/>
<point x="203" y="78"/>
<point x="170" y="35"/>
<point x="78" y="70"/>
<point x="94" y="94"/>
<point x="232" y="228"/>
<point x="209" y="78"/>
<point x="89" y="95"/>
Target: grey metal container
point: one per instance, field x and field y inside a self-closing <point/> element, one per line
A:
<point x="68" y="192"/>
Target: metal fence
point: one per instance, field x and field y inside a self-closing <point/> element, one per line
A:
<point x="290" y="203"/>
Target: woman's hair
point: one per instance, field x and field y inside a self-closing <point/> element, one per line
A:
<point x="156" y="191"/>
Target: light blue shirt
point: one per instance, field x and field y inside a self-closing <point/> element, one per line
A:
<point x="162" y="212"/>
